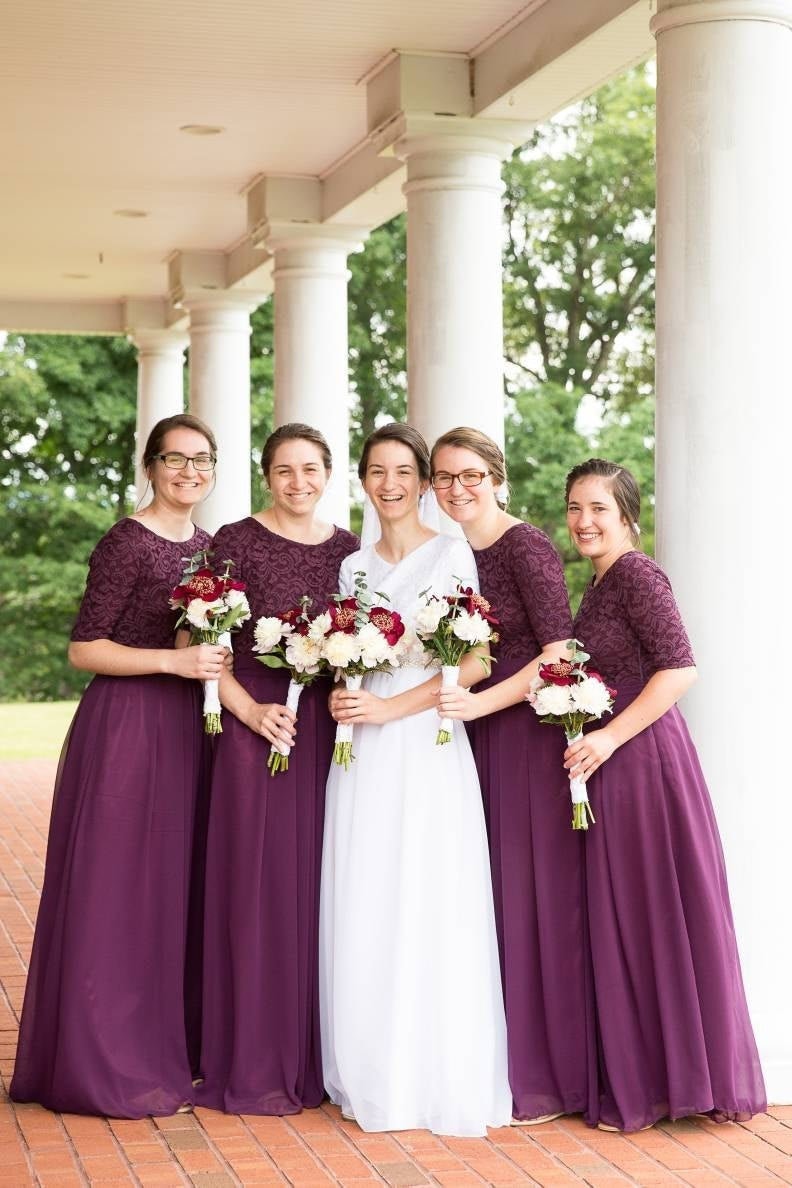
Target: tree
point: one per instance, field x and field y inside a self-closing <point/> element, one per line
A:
<point x="67" y="418"/>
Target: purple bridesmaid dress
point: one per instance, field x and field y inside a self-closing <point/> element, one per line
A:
<point x="103" y="1023"/>
<point x="537" y="858"/>
<point x="261" y="1052"/>
<point x="674" y="1034"/>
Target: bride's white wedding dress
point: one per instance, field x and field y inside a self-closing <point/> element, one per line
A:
<point x="413" y="1030"/>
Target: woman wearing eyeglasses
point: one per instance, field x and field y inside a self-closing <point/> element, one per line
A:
<point x="260" y="1051"/>
<point x="103" y="1024"/>
<point x="536" y="857"/>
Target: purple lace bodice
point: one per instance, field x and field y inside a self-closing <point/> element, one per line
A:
<point x="277" y="571"/>
<point x="132" y="572"/>
<point x="630" y="623"/>
<point x="522" y="577"/>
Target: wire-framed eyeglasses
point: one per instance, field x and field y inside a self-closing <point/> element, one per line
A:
<point x="179" y="461"/>
<point x="442" y="481"/>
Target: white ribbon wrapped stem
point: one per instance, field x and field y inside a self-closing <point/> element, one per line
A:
<point x="211" y="703"/>
<point x="344" y="729"/>
<point x="577" y="786"/>
<point x="292" y="698"/>
<point x="449" y="680"/>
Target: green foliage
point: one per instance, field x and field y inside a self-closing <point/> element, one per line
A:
<point x="67" y="418"/>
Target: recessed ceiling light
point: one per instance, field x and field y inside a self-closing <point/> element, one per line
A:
<point x="76" y="275"/>
<point x="202" y="129"/>
<point x="130" y="213"/>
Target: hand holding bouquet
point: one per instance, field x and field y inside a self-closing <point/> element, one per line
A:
<point x="570" y="695"/>
<point x="212" y="606"/>
<point x="450" y="626"/>
<point x="359" y="638"/>
<point x="292" y="640"/>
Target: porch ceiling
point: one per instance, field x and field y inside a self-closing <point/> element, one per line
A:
<point x="95" y="94"/>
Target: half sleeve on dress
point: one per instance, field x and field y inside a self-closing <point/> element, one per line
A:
<point x="540" y="577"/>
<point x="113" y="577"/>
<point x="653" y="613"/>
<point x="461" y="564"/>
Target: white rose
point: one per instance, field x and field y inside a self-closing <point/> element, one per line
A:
<point x="198" y="611"/>
<point x="374" y="647"/>
<point x="303" y="653"/>
<point x="553" y="699"/>
<point x="268" y="633"/>
<point x="591" y="696"/>
<point x="471" y="628"/>
<point x="340" y="649"/>
<point x="320" y="626"/>
<point x="429" y="616"/>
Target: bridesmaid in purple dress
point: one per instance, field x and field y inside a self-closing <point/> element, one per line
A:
<point x="674" y="1034"/>
<point x="103" y="1023"/>
<point x="261" y="1052"/>
<point x="537" y="859"/>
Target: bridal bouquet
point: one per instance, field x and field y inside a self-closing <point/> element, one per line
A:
<point x="292" y="640"/>
<point x="570" y="695"/>
<point x="449" y="626"/>
<point x="359" y="638"/>
<point x="212" y="605"/>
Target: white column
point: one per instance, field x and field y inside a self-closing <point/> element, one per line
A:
<point x="724" y="424"/>
<point x="454" y="293"/>
<point x="220" y="396"/>
<point x="311" y="341"/>
<point x="160" y="389"/>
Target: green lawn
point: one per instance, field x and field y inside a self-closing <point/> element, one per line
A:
<point x="35" y="730"/>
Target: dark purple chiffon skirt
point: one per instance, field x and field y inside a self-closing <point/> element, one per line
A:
<point x="674" y="1034"/>
<point x="538" y="881"/>
<point x="261" y="1051"/>
<point x="103" y="1023"/>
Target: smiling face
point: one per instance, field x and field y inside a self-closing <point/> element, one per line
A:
<point x="391" y="481"/>
<point x="598" y="529"/>
<point x="186" y="486"/>
<point x="297" y="476"/>
<point x="464" y="504"/>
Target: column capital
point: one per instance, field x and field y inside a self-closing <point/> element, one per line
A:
<point x="150" y="341"/>
<point x="410" y="134"/>
<point x="672" y="14"/>
<point x="311" y="249"/>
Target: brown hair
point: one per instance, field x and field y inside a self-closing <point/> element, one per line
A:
<point x="178" y="421"/>
<point x="622" y="484"/>
<point x="465" y="438"/>
<point x="398" y="431"/>
<point x="294" y="431"/>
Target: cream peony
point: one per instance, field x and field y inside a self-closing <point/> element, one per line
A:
<point x="197" y="611"/>
<point x="471" y="628"/>
<point x="268" y="633"/>
<point x="374" y="647"/>
<point x="320" y="626"/>
<point x="429" y="616"/>
<point x="303" y="653"/>
<point x="340" y="649"/>
<point x="235" y="598"/>
<point x="554" y="699"/>
<point x="591" y="696"/>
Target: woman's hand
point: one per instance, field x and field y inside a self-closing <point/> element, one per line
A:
<point x="583" y="757"/>
<point x="458" y="703"/>
<point x="360" y="708"/>
<point x="204" y="662"/>
<point x="275" y="722"/>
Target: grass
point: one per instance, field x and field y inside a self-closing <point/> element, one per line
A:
<point x="34" y="730"/>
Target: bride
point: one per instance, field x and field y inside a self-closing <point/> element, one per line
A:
<point x="413" y="1031"/>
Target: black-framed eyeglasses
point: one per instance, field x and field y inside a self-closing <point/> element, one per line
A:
<point x="467" y="478"/>
<point x="179" y="461"/>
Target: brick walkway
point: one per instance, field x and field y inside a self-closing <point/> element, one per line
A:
<point x="211" y="1150"/>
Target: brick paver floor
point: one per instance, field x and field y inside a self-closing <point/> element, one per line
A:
<point x="211" y="1150"/>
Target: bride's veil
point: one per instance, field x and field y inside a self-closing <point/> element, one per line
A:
<point x="428" y="514"/>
